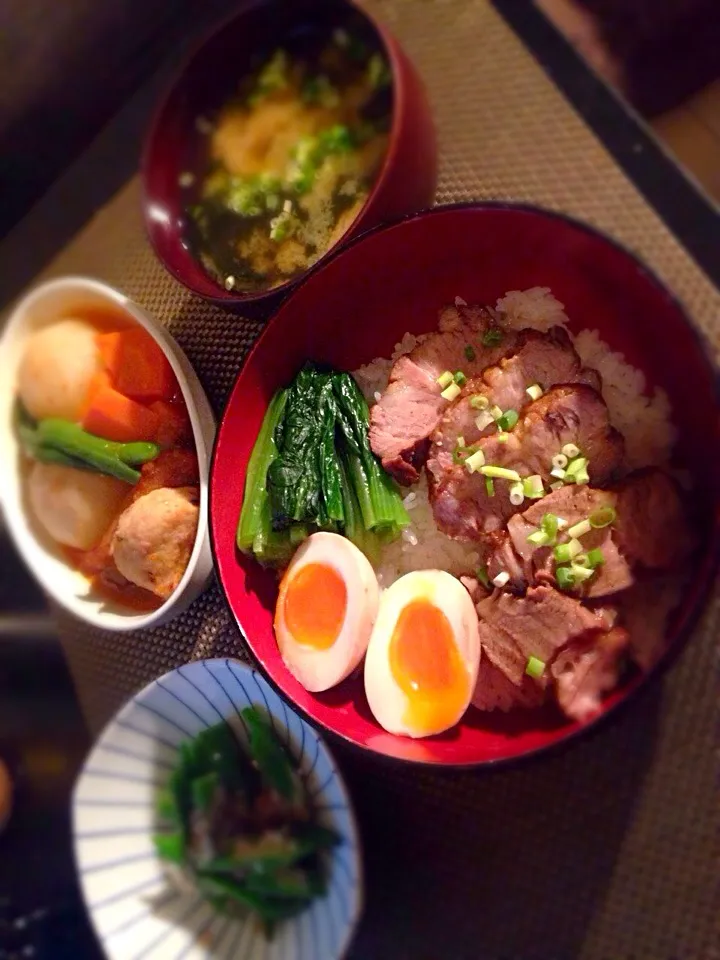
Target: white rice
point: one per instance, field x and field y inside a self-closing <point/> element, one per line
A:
<point x="644" y="421"/>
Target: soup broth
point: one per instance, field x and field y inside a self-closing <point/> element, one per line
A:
<point x="288" y="163"/>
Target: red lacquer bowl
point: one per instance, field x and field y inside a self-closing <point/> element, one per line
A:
<point x="357" y="307"/>
<point x="406" y="181"/>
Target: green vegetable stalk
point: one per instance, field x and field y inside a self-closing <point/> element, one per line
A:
<point x="61" y="441"/>
<point x="255" y="516"/>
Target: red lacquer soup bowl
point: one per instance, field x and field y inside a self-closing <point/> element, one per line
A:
<point x="405" y="182"/>
<point x="355" y="308"/>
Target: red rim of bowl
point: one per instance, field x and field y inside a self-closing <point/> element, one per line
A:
<point x="691" y="611"/>
<point x="221" y="296"/>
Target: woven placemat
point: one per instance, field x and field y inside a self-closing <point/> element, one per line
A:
<point x="607" y="850"/>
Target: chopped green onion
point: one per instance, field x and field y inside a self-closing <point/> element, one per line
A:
<point x="558" y="485"/>
<point x="535" y="391"/>
<point x="483" y="420"/>
<point x="500" y="473"/>
<point x="461" y="441"/>
<point x="580" y="529"/>
<point x="595" y="558"/>
<point x="575" y="466"/>
<point x="460" y="378"/>
<point x="580" y="573"/>
<point x="581" y="560"/>
<point x="559" y="461"/>
<point x="602" y="517"/>
<point x="459" y="455"/>
<point x="575" y="548"/>
<point x="565" y="552"/>
<point x="475" y="461"/>
<point x="479" y="402"/>
<point x="582" y="477"/>
<point x="565" y="578"/>
<point x="445" y="379"/>
<point x="492" y="337"/>
<point x="550" y="525"/>
<point x="490" y="486"/>
<point x="503" y="437"/>
<point x="558" y="472"/>
<point x="539" y="539"/>
<point x="482" y="575"/>
<point x="535" y="668"/>
<point x="508" y="420"/>
<point x="517" y="494"/>
<point x="570" y="450"/>
<point x="496" y="412"/>
<point x="501" y="579"/>
<point x="451" y="393"/>
<point x="469" y="353"/>
<point x="533" y="487"/>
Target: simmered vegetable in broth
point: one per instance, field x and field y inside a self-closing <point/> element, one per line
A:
<point x="289" y="162"/>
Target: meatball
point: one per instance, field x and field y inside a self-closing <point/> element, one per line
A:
<point x="155" y="537"/>
<point x="56" y="368"/>
<point x="75" y="507"/>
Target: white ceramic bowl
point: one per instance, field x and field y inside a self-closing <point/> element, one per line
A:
<point x="44" y="305"/>
<point x="134" y="911"/>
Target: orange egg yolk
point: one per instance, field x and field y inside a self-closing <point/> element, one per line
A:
<point x="314" y="601"/>
<point x="426" y="665"/>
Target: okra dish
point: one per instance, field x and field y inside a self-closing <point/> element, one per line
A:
<point x="109" y="466"/>
<point x="286" y="164"/>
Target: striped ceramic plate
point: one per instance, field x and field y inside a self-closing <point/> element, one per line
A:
<point x="133" y="909"/>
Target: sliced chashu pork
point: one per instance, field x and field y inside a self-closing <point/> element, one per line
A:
<point x="652" y="527"/>
<point x="410" y="408"/>
<point x="585" y="670"/>
<point x="566" y="414"/>
<point x="542" y="359"/>
<point x="527" y="563"/>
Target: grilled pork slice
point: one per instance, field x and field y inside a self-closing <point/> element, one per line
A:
<point x="469" y="339"/>
<point x="652" y="527"/>
<point x="542" y="359"/>
<point x="493" y="690"/>
<point x="646" y="610"/>
<point x="566" y="414"/>
<point x="586" y="669"/>
<point x="527" y="563"/>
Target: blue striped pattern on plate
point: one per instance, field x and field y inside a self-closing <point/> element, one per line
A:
<point x="135" y="912"/>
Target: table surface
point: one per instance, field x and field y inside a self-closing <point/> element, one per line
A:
<point x="609" y="848"/>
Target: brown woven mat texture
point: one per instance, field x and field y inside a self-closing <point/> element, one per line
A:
<point x="607" y="850"/>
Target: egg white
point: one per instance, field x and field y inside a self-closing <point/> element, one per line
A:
<point x="388" y="702"/>
<point x="319" y="670"/>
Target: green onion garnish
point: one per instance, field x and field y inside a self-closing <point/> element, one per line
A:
<point x="461" y="441"/>
<point x="475" y="461"/>
<point x="501" y="579"/>
<point x="503" y="437"/>
<point x="580" y="573"/>
<point x="460" y="378"/>
<point x="496" y="412"/>
<point x="483" y="420"/>
<point x="451" y="393"/>
<point x="558" y="472"/>
<point x="565" y="552"/>
<point x="558" y="485"/>
<point x="533" y="487"/>
<point x="565" y="578"/>
<point x="534" y="391"/>
<point x="517" y="494"/>
<point x="550" y="525"/>
<point x="500" y="473"/>
<point x="595" y="558"/>
<point x="459" y="455"/>
<point x="570" y="450"/>
<point x="479" y="402"/>
<point x="535" y="668"/>
<point x="469" y="353"/>
<point x="539" y="539"/>
<point x="575" y="466"/>
<point x="508" y="420"/>
<point x="559" y="461"/>
<point x="490" y="486"/>
<point x="580" y="529"/>
<point x="581" y="560"/>
<point x="582" y="477"/>
<point x="445" y="379"/>
<point x="602" y="517"/>
<point x="482" y="575"/>
<point x="492" y="337"/>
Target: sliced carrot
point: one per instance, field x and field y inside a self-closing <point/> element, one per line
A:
<point x="113" y="416"/>
<point x="137" y="365"/>
<point x="174" y="427"/>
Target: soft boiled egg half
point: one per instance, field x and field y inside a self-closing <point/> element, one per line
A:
<point x="325" y="612"/>
<point x="422" y="660"/>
